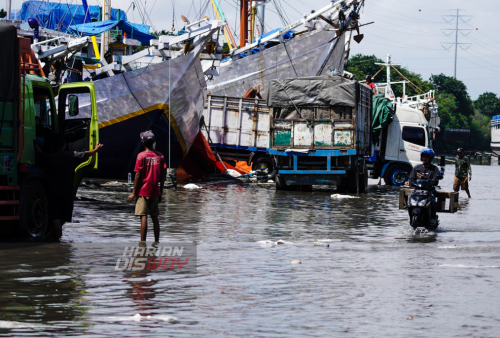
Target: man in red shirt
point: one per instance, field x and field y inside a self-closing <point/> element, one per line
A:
<point x="370" y="83"/>
<point x="149" y="171"/>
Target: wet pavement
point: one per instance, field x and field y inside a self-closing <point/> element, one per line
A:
<point x="363" y="272"/>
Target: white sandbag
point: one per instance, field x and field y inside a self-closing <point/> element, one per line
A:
<point x="341" y="197"/>
<point x="233" y="173"/>
<point x="191" y="186"/>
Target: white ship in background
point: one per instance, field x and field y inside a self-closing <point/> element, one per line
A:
<point x="284" y="53"/>
<point x="495" y="134"/>
<point x="425" y="102"/>
<point x="163" y="87"/>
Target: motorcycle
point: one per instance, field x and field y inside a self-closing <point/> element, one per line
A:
<point x="420" y="202"/>
<point x="419" y="205"/>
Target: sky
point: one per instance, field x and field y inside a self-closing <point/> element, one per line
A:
<point x="410" y="30"/>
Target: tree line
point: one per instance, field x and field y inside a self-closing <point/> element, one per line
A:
<point x="456" y="109"/>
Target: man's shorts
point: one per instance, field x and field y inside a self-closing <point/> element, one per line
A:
<point x="147" y="206"/>
<point x="460" y="182"/>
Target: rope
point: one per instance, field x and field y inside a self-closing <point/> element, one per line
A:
<point x="289" y="58"/>
<point x="377" y="72"/>
<point x="146" y="67"/>
<point x="410" y="83"/>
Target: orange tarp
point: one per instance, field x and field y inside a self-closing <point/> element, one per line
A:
<point x="201" y="161"/>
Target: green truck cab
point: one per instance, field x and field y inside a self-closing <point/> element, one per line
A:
<point x="32" y="117"/>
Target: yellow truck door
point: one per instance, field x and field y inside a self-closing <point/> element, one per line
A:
<point x="77" y="114"/>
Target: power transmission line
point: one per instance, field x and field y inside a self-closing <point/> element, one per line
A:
<point x="456" y="43"/>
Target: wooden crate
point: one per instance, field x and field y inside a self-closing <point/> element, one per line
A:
<point x="442" y="196"/>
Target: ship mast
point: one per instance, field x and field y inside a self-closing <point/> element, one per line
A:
<point x="8" y="9"/>
<point x="247" y="21"/>
<point x="388" y="64"/>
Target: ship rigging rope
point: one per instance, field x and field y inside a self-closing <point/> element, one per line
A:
<point x="373" y="76"/>
<point x="414" y="86"/>
<point x="289" y="58"/>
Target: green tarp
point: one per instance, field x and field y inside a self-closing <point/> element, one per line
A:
<point x="383" y="111"/>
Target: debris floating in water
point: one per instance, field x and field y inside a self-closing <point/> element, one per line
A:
<point x="137" y="318"/>
<point x="233" y="173"/>
<point x="191" y="186"/>
<point x="340" y="197"/>
<point x="409" y="318"/>
<point x="296" y="262"/>
<point x="272" y="243"/>
<point x="113" y="183"/>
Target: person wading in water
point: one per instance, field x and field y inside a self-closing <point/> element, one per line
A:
<point x="462" y="170"/>
<point x="149" y="171"/>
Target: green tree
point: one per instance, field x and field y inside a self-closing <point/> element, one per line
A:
<point x="450" y="85"/>
<point x="363" y="65"/>
<point x="162" y="32"/>
<point x="488" y="104"/>
<point x="3" y="13"/>
<point x="480" y="129"/>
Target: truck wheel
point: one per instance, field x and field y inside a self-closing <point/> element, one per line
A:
<point x="280" y="183"/>
<point x="351" y="183"/>
<point x="394" y="175"/>
<point x="33" y="210"/>
<point x="363" y="182"/>
<point x="262" y="160"/>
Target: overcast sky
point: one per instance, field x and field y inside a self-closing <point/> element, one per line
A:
<point x="409" y="30"/>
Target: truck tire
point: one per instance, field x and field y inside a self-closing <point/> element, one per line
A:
<point x="394" y="175"/>
<point x="260" y="160"/>
<point x="280" y="183"/>
<point x="33" y="209"/>
<point x="363" y="182"/>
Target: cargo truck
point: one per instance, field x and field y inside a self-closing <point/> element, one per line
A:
<point x="30" y="112"/>
<point x="320" y="132"/>
<point x="238" y="129"/>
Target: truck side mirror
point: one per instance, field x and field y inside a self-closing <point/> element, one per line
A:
<point x="73" y="105"/>
<point x="443" y="161"/>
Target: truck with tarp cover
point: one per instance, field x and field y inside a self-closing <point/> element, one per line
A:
<point x="29" y="115"/>
<point x="399" y="133"/>
<point x="320" y="132"/>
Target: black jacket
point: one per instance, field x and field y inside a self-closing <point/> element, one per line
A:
<point x="431" y="172"/>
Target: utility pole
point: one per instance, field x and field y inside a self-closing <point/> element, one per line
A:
<point x="456" y="43"/>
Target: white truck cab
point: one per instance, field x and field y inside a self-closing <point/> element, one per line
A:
<point x="413" y="125"/>
<point x="407" y="136"/>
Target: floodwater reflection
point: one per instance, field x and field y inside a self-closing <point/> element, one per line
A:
<point x="363" y="269"/>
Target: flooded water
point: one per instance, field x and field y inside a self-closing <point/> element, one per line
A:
<point x="362" y="272"/>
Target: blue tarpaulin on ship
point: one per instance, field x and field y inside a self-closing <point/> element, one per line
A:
<point x="286" y="36"/>
<point x="133" y="30"/>
<point x="59" y="16"/>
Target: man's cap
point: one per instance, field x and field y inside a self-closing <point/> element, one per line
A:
<point x="460" y="150"/>
<point x="148" y="136"/>
<point x="368" y="77"/>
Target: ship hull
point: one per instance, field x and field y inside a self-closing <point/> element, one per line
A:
<point x="132" y="102"/>
<point x="301" y="56"/>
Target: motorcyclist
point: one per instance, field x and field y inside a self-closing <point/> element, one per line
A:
<point x="427" y="171"/>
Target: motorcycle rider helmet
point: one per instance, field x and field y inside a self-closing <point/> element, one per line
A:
<point x="460" y="150"/>
<point x="428" y="151"/>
